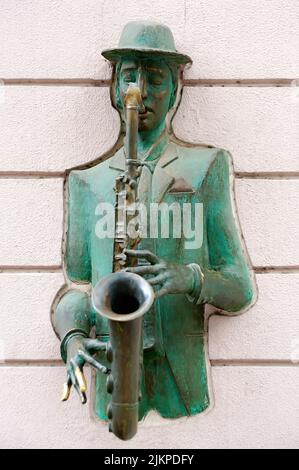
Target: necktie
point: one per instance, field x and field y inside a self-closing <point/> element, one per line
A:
<point x="144" y="199"/>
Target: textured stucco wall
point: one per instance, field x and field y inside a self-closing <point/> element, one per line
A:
<point x="52" y="117"/>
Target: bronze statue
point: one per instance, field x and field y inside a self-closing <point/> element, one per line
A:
<point x="172" y="228"/>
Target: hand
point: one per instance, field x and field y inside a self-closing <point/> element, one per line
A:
<point x="172" y="277"/>
<point x="79" y="352"/>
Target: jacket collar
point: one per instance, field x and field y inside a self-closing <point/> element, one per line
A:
<point x="159" y="150"/>
<point x="166" y="152"/>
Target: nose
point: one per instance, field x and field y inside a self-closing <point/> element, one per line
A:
<point x="143" y="84"/>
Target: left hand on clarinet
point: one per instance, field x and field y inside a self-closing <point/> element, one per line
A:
<point x="172" y="278"/>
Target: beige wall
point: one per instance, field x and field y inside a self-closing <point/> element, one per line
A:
<point x="50" y="122"/>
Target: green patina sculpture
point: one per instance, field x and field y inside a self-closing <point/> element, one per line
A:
<point x="185" y="276"/>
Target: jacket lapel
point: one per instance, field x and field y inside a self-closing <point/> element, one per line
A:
<point x="162" y="177"/>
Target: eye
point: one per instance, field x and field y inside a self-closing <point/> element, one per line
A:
<point x="129" y="75"/>
<point x="155" y="79"/>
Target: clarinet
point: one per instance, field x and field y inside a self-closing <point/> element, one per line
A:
<point x="124" y="297"/>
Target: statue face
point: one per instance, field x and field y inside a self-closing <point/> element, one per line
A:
<point x="155" y="80"/>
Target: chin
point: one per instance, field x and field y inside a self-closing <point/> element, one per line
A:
<point x="145" y="126"/>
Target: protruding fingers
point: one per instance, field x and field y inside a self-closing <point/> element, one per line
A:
<point x="157" y="279"/>
<point x="66" y="388"/>
<point x="91" y="361"/>
<point x="82" y="395"/>
<point x="161" y="292"/>
<point x="148" y="255"/>
<point x="149" y="269"/>
<point x="81" y="379"/>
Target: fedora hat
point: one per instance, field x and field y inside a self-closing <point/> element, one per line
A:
<point x="144" y="38"/>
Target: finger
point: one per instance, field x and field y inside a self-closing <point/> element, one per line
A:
<point x="149" y="269"/>
<point x="82" y="395"/>
<point x="161" y="292"/>
<point x="66" y="388"/>
<point x="66" y="391"/>
<point x="81" y="379"/>
<point x="94" y="345"/>
<point x="91" y="361"/>
<point x="151" y="257"/>
<point x="157" y="279"/>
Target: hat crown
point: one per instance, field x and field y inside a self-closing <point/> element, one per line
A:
<point x="146" y="38"/>
<point x="147" y="35"/>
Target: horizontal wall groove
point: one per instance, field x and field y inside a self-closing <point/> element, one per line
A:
<point x="253" y="363"/>
<point x="276" y="269"/>
<point x="77" y="82"/>
<point x="250" y="82"/>
<point x="30" y="269"/>
<point x="214" y="363"/>
<point x="58" y="268"/>
<point x="32" y="363"/>
<point x="267" y="175"/>
<point x="31" y="174"/>
<point x="273" y="175"/>
<point x="191" y="82"/>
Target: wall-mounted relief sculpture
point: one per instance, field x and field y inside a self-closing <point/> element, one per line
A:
<point x="151" y="237"/>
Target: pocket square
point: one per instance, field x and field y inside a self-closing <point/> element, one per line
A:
<point x="181" y="186"/>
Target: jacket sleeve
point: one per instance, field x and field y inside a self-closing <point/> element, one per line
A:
<point x="226" y="280"/>
<point x="73" y="313"/>
<point x="77" y="254"/>
<point x="72" y="317"/>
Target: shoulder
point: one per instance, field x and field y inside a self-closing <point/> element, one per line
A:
<point x="197" y="161"/>
<point x="95" y="177"/>
<point x="87" y="174"/>
<point x="201" y="152"/>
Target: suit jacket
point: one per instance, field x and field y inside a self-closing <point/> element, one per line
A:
<point x="174" y="378"/>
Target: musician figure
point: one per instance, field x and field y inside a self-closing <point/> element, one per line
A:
<point x="185" y="275"/>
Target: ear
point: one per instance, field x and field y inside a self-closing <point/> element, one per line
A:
<point x="118" y="101"/>
<point x="174" y="70"/>
<point x="115" y="91"/>
<point x="173" y="96"/>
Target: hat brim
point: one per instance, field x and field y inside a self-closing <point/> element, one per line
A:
<point x="115" y="55"/>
